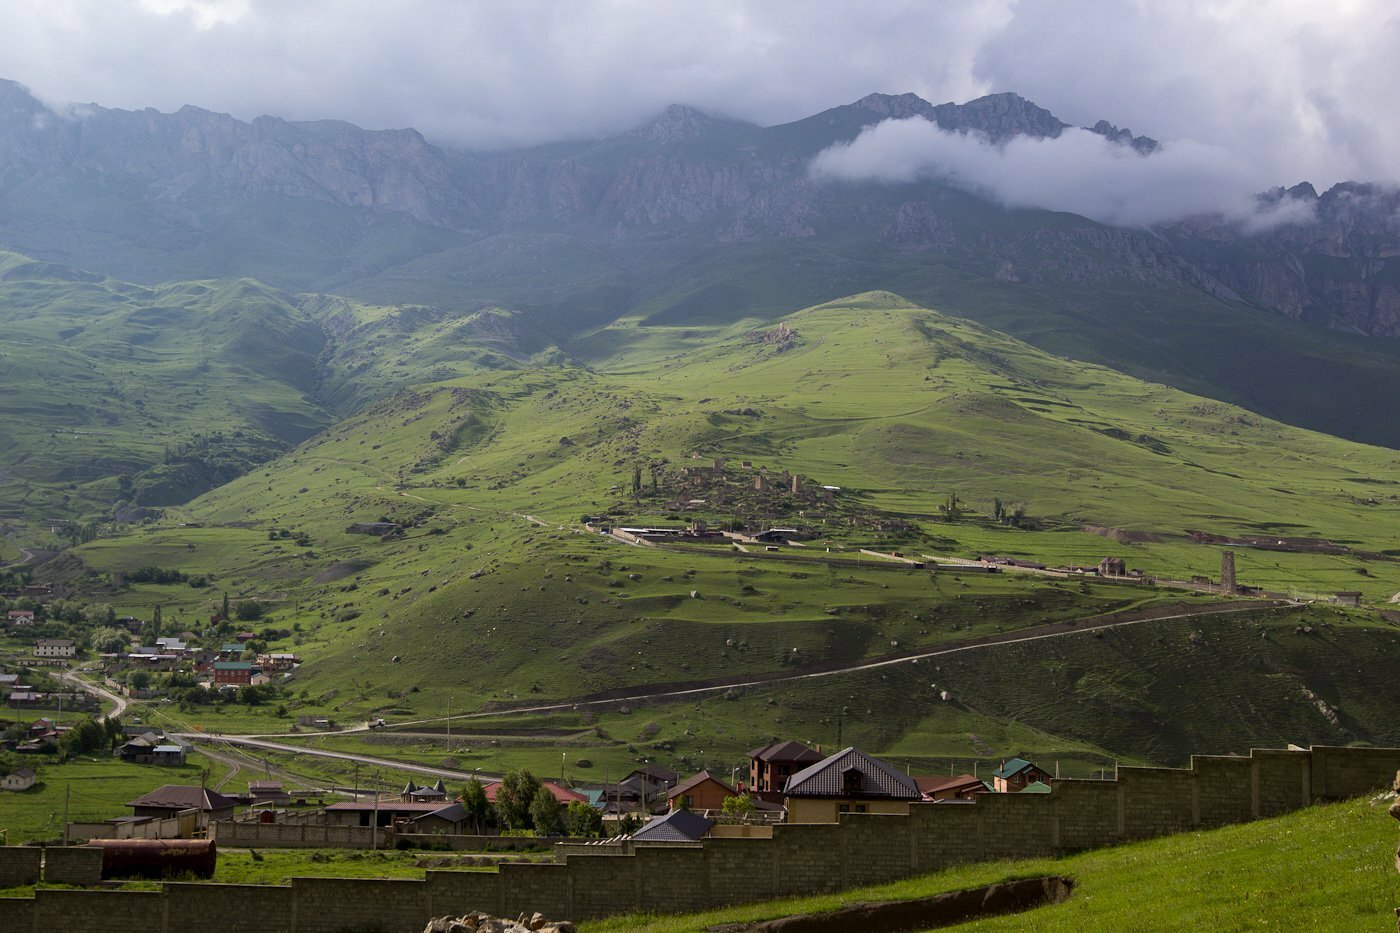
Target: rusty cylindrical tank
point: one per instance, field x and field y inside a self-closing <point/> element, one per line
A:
<point x="156" y="858"/>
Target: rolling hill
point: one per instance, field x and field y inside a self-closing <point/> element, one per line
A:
<point x="493" y="594"/>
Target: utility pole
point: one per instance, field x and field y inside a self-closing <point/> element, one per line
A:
<point x="67" y="792"/>
<point x="562" y="756"/>
<point x="374" y="823"/>
<point x="449" y="719"/>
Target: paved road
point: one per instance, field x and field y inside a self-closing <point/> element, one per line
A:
<point x="120" y="702"/>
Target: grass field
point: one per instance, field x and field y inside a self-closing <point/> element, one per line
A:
<point x="1325" y="868"/>
<point x="90" y="790"/>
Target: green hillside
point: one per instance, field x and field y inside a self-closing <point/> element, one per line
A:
<point x="493" y="592"/>
<point x="120" y="396"/>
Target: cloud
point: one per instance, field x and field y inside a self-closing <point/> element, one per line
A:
<point x="1293" y="89"/>
<point x="1078" y="171"/>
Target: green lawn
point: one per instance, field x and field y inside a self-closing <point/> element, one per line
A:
<point x="1325" y="868"/>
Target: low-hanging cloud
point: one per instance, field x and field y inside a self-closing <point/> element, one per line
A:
<point x="1078" y="172"/>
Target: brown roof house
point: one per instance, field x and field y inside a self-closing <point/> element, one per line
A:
<point x="960" y="787"/>
<point x="772" y="765"/>
<point x="849" y="781"/>
<point x="165" y="802"/>
<point x="676" y="826"/>
<point x="702" y="792"/>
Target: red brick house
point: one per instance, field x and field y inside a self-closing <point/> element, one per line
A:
<point x="772" y="765"/>
<point x="233" y="672"/>
<point x="704" y="791"/>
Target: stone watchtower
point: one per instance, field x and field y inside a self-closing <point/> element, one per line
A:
<point x="1227" y="571"/>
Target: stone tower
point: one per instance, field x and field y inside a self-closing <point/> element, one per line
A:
<point x="1227" y="571"/>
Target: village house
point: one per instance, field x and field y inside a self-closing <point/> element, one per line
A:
<point x="19" y="617"/>
<point x="278" y="662"/>
<point x="849" y="781"/>
<point x="380" y="813"/>
<point x="772" y="765"/>
<point x="168" y="801"/>
<point x="17" y="781"/>
<point x="267" y="792"/>
<point x="959" y="787"/>
<point x="701" y="792"/>
<point x="644" y="787"/>
<point x="676" y="826"/>
<point x="1348" y="598"/>
<point x="168" y="754"/>
<point x="1113" y="567"/>
<point x="562" y="795"/>
<point x="1015" y="775"/>
<point x="234" y="673"/>
<point x="55" y="648"/>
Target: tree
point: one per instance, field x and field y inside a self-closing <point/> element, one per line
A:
<point x="108" y="640"/>
<point x="99" y="614"/>
<point x="998" y="510"/>
<point x="636" y="481"/>
<point x="513" y="799"/>
<point x="156" y="623"/>
<point x="139" y="680"/>
<point x="248" y="610"/>
<point x="950" y="509"/>
<point x="475" y="804"/>
<point x="223" y="611"/>
<point x="582" y="820"/>
<point x="544" y="811"/>
<point x="738" y="807"/>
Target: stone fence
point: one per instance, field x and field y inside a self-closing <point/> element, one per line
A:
<point x="862" y="849"/>
<point x="300" y="835"/>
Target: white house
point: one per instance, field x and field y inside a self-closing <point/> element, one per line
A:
<point x="23" y="779"/>
<point x="55" y="648"/>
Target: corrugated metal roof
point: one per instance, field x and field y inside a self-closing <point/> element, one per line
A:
<point x="827" y="778"/>
<point x="676" y="826"/>
<point x="787" y="751"/>
<point x="696" y="780"/>
<point x="1014" y="766"/>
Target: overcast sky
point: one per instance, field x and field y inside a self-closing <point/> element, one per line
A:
<point x="1287" y="90"/>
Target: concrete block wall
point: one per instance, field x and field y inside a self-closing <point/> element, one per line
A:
<point x="19" y="865"/>
<point x="105" y="911"/>
<point x="232" y="908"/>
<point x="72" y="865"/>
<point x="593" y="882"/>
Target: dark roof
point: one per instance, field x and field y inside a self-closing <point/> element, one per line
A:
<point x="453" y="813"/>
<point x="233" y="665"/>
<point x="826" y="778"/>
<point x="932" y="785"/>
<point x="696" y="781"/>
<point x="654" y="773"/>
<point x="386" y="806"/>
<point x="676" y="826"/>
<point x="182" y="797"/>
<point x="1013" y="767"/>
<point x="787" y="751"/>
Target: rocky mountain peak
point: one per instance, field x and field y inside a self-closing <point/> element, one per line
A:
<point x="678" y="123"/>
<point x="1123" y="136"/>
<point x="999" y="117"/>
<point x="895" y="106"/>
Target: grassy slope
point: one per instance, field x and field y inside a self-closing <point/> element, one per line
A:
<point x="101" y="377"/>
<point x="1328" y="867"/>
<point x="899" y="406"/>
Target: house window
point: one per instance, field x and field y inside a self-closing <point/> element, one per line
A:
<point x="860" y="808"/>
<point x="843" y="808"/>
<point x="852" y="781"/>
